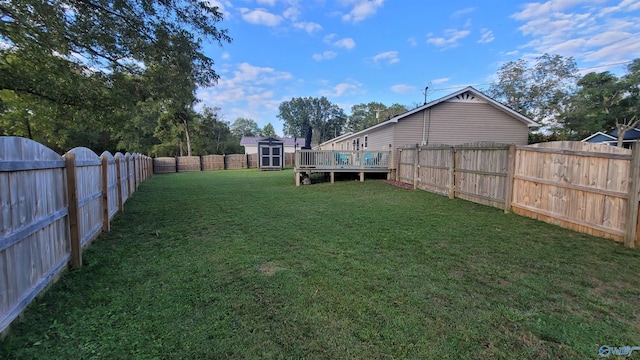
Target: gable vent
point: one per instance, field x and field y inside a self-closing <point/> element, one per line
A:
<point x="466" y="97"/>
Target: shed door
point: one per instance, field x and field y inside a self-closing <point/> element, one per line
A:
<point x="275" y="156"/>
<point x="270" y="156"/>
<point x="265" y="156"/>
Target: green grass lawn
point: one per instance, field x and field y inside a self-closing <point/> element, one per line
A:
<point x="242" y="264"/>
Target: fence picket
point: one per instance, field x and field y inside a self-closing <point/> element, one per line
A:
<point x="48" y="205"/>
<point x="580" y="186"/>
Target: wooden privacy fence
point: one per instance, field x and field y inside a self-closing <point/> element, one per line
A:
<point x="590" y="188"/>
<point x="165" y="165"/>
<point x="51" y="207"/>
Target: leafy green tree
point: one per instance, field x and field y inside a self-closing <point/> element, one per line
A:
<point x="104" y="33"/>
<point x="213" y="135"/>
<point x="84" y="70"/>
<point x="539" y="91"/>
<point x="366" y="115"/>
<point x="326" y="119"/>
<point x="269" y="131"/>
<point x="594" y="106"/>
<point x="245" y="127"/>
<point x="604" y="102"/>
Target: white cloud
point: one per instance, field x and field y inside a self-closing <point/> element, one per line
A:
<point x="247" y="92"/>
<point x="225" y="55"/>
<point x="291" y="13"/>
<point x="626" y="5"/>
<point x="450" y="39"/>
<point x="347" y="43"/>
<point x="486" y="36"/>
<point x="254" y="75"/>
<point x="587" y="30"/>
<point x="362" y="10"/>
<point x="341" y="89"/>
<point x="309" y="27"/>
<point x="390" y="57"/>
<point x="267" y="2"/>
<point x="440" y="81"/>
<point x="260" y="17"/>
<point x="464" y="11"/>
<point x="329" y="38"/>
<point x="222" y="5"/>
<point x="324" y="56"/>
<point x="412" y="42"/>
<point x="537" y="10"/>
<point x="403" y="89"/>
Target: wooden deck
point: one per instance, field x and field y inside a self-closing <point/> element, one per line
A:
<point x="330" y="161"/>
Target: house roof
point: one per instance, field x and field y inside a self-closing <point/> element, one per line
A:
<point x="338" y="138"/>
<point x="500" y="106"/>
<point x="630" y="135"/>
<point x="598" y="137"/>
<point x="288" y="141"/>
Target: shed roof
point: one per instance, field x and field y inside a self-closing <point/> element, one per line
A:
<point x="288" y="141"/>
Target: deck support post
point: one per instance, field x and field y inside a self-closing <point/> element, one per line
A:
<point x="361" y="176"/>
<point x="332" y="174"/>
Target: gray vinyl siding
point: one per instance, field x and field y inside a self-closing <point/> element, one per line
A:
<point x="455" y="123"/>
<point x="451" y="123"/>
<point x="409" y="130"/>
<point x="379" y="139"/>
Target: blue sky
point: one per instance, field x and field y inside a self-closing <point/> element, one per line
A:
<point x="358" y="51"/>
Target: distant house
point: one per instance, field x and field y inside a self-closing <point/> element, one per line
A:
<point x="250" y="143"/>
<point x="462" y="117"/>
<point x="630" y="137"/>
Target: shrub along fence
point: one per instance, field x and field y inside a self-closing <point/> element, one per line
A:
<point x="51" y="207"/>
<point x="165" y="165"/>
<point x="590" y="188"/>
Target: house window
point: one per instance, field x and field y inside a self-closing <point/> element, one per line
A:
<point x="366" y="141"/>
<point x="357" y="144"/>
<point x="354" y="145"/>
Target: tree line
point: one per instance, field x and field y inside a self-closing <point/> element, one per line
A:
<point x="570" y="106"/>
<point x="122" y="76"/>
<point x="548" y="89"/>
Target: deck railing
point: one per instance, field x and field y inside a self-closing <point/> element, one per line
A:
<point x="341" y="160"/>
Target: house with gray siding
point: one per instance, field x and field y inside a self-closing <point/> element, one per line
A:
<point x="464" y="116"/>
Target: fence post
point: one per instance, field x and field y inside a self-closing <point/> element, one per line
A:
<point x="105" y="194"/>
<point x="398" y="156"/>
<point x="119" y="181"/>
<point x="452" y="176"/>
<point x="135" y="176"/>
<point x="130" y="175"/>
<point x="631" y="220"/>
<point x="416" y="163"/>
<point x="72" y="193"/>
<point x="508" y="188"/>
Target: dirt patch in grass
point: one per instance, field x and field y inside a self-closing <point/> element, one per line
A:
<point x="269" y="269"/>
<point x="399" y="184"/>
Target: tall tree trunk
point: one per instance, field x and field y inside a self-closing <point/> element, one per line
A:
<point x="621" y="132"/>
<point x="187" y="135"/>
<point x="624" y="127"/>
<point x="28" y="124"/>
